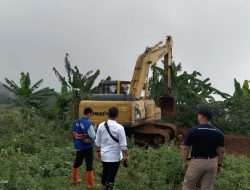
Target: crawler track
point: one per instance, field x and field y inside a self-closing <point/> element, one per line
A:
<point x="154" y="133"/>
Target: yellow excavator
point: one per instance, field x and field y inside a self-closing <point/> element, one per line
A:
<point x="138" y="114"/>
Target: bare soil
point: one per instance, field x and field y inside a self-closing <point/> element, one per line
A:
<point x="234" y="144"/>
<point x="237" y="144"/>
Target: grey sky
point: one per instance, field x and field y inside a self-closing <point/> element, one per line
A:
<point x="210" y="36"/>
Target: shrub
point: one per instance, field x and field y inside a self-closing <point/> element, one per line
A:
<point x="39" y="155"/>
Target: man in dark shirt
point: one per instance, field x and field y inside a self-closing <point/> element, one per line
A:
<point x="207" y="143"/>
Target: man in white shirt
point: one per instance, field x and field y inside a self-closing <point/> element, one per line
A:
<point x="110" y="142"/>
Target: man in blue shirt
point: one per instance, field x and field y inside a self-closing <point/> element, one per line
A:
<point x="207" y="143"/>
<point x="83" y="138"/>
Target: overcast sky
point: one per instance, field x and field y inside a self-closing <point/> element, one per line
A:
<point x="210" y="36"/>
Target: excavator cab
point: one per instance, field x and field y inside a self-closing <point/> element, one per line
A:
<point x="113" y="87"/>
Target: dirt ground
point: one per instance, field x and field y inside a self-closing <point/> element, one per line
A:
<point x="234" y="144"/>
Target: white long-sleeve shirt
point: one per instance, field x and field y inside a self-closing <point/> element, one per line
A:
<point x="110" y="150"/>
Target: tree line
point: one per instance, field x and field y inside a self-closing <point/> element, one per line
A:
<point x="231" y="112"/>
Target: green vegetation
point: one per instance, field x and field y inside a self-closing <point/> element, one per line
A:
<point x="26" y="94"/>
<point x="36" y="151"/>
<point x="231" y="114"/>
<point x="38" y="154"/>
<point x="5" y="95"/>
<point x="75" y="88"/>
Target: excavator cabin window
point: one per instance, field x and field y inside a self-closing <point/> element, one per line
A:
<point x="124" y="89"/>
<point x="111" y="89"/>
<point x="114" y="87"/>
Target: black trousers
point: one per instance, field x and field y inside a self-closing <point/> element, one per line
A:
<point x="109" y="172"/>
<point x="86" y="154"/>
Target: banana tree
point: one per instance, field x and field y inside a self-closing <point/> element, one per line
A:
<point x="28" y="96"/>
<point x="241" y="91"/>
<point x="77" y="85"/>
<point x="238" y="116"/>
<point x="189" y="91"/>
<point x="183" y="85"/>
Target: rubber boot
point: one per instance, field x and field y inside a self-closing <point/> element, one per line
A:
<point x="90" y="179"/>
<point x="74" y="175"/>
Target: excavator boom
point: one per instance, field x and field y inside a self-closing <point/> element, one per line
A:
<point x="144" y="61"/>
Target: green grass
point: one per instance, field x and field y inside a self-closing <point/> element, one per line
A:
<point x="38" y="154"/>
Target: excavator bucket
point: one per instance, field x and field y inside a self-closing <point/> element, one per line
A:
<point x="168" y="106"/>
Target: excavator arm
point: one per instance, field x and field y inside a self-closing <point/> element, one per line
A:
<point x="143" y="63"/>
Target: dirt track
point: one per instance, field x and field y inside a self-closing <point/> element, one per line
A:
<point x="234" y="144"/>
